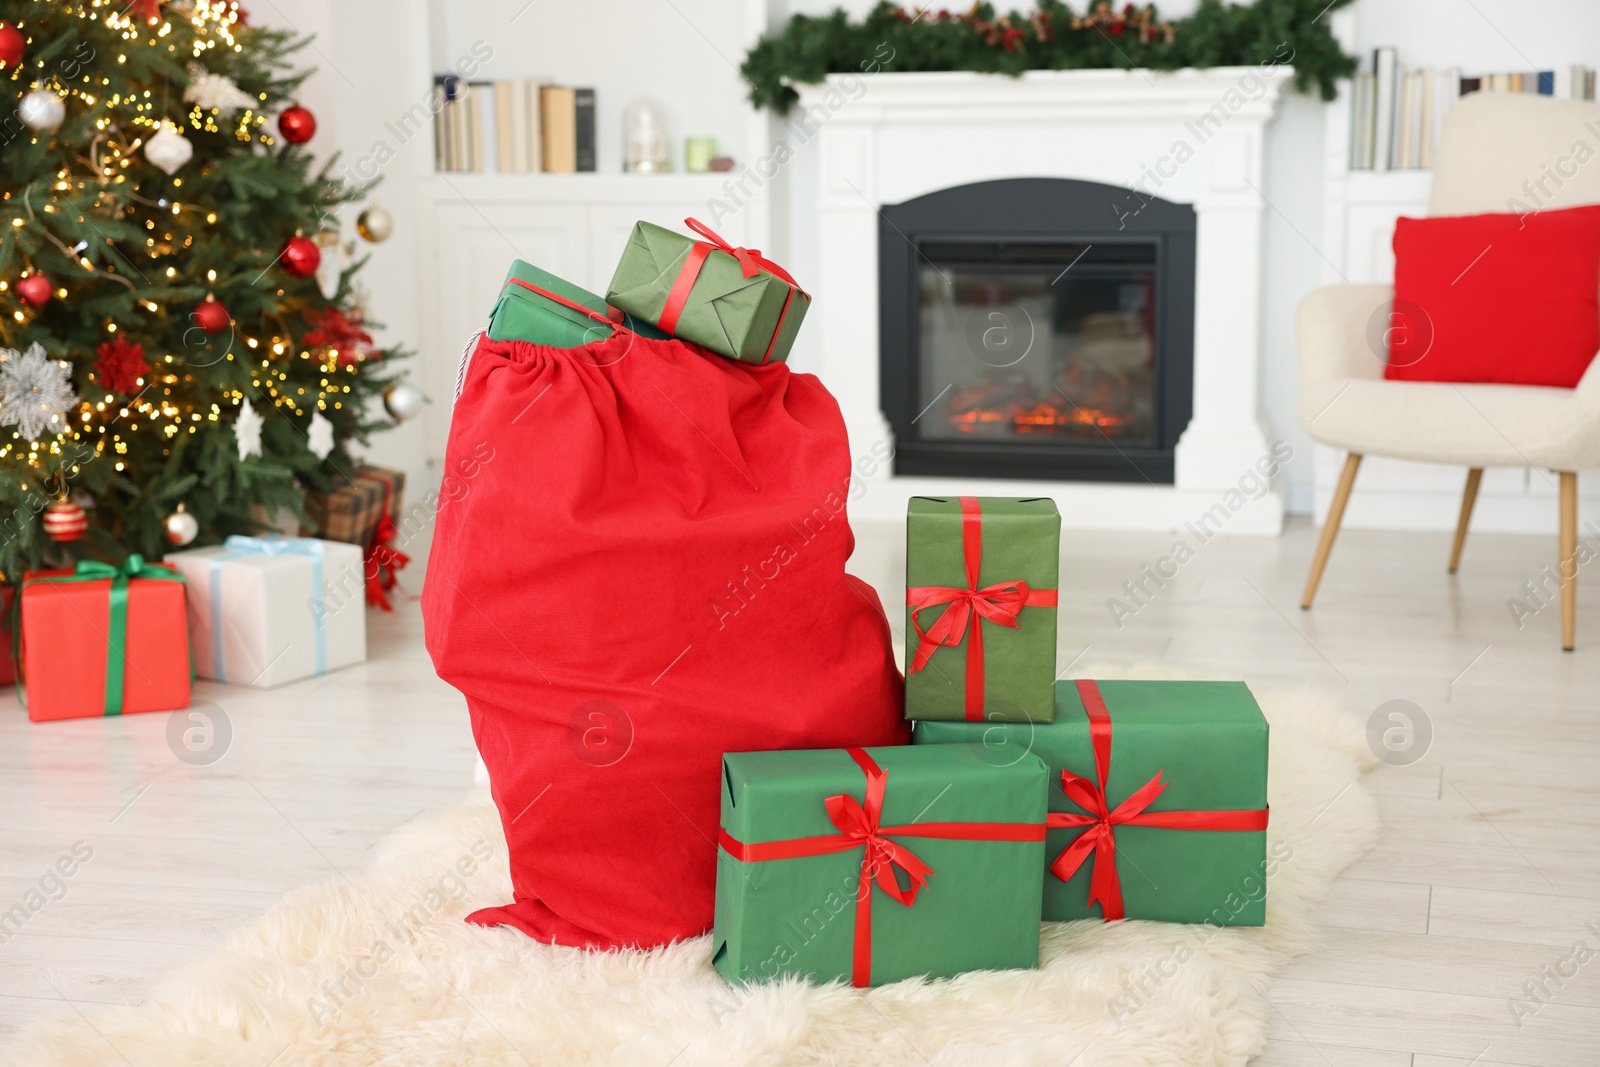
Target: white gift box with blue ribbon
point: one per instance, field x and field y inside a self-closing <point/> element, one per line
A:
<point x="268" y="610"/>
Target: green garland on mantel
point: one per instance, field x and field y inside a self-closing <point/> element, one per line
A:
<point x="1052" y="37"/>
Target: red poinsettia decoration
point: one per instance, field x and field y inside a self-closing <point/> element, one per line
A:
<point x="149" y="10"/>
<point x="121" y="365"/>
<point x="333" y="328"/>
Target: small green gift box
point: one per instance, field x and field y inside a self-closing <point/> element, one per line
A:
<point x="878" y="864"/>
<point x="539" y="307"/>
<point x="981" y="575"/>
<point x="730" y="300"/>
<point x="1158" y="799"/>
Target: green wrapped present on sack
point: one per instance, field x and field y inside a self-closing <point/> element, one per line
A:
<point x="730" y="300"/>
<point x="538" y="307"/>
<point x="1158" y="799"/>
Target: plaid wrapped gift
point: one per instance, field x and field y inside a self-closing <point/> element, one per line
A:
<point x="364" y="511"/>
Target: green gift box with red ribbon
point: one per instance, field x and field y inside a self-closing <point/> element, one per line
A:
<point x="1158" y="799"/>
<point x="873" y="865"/>
<point x="981" y="576"/>
<point x="731" y="300"/>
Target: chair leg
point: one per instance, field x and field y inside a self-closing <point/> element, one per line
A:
<point x="1468" y="498"/>
<point x="1330" y="528"/>
<point x="1569" y="558"/>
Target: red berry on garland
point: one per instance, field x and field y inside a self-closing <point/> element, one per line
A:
<point x="1117" y="28"/>
<point x="35" y="289"/>
<point x="12" y="44"/>
<point x="64" y="521"/>
<point x="211" y="316"/>
<point x="297" y="124"/>
<point x="121" y="365"/>
<point x="301" y="256"/>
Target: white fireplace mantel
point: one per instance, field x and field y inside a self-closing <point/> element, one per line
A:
<point x="1193" y="137"/>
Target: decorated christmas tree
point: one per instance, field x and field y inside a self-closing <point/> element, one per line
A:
<point x="181" y="349"/>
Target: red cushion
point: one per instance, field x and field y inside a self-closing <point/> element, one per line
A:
<point x="1513" y="299"/>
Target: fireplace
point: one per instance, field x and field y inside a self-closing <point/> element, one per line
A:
<point x="1037" y="328"/>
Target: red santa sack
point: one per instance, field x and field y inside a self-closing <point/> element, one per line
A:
<point x="638" y="565"/>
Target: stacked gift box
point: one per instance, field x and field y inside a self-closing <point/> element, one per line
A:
<point x="1021" y="798"/>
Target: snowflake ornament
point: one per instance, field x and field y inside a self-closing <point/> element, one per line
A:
<point x="247" y="432"/>
<point x="215" y="91"/>
<point x="35" y="392"/>
<point x="320" y="437"/>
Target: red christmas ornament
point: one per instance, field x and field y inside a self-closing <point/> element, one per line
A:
<point x="35" y="289"/>
<point x="301" y="256"/>
<point x="64" y="521"/>
<point x="149" y="10"/>
<point x="297" y="124"/>
<point x="12" y="44"/>
<point x="121" y="365"/>
<point x="211" y="316"/>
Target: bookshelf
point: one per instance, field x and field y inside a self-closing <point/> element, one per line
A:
<point x="475" y="223"/>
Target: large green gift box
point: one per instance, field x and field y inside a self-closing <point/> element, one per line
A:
<point x="523" y="313"/>
<point x="981" y="575"/>
<point x="731" y="300"/>
<point x="878" y="864"/>
<point x="1158" y="799"/>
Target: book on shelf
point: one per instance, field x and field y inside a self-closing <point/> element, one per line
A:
<point x="1386" y="69"/>
<point x="512" y="126"/>
<point x="1396" y="115"/>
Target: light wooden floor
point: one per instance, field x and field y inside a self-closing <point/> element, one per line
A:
<point x="1486" y="876"/>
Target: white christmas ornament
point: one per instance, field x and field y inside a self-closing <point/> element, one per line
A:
<point x="402" y="401"/>
<point x="168" y="149"/>
<point x="42" y="110"/>
<point x="215" y="92"/>
<point x="247" y="431"/>
<point x="332" y="264"/>
<point x="320" y="437"/>
<point x="35" y="392"/>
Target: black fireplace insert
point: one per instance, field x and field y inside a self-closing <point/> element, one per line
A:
<point x="1037" y="328"/>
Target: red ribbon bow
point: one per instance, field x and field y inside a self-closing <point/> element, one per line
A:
<point x="1101" y="821"/>
<point x="381" y="562"/>
<point x="999" y="603"/>
<point x="860" y="826"/>
<point x="751" y="263"/>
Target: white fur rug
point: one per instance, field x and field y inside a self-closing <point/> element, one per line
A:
<point x="381" y="969"/>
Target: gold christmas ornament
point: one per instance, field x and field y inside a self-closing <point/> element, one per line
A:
<point x="375" y="224"/>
